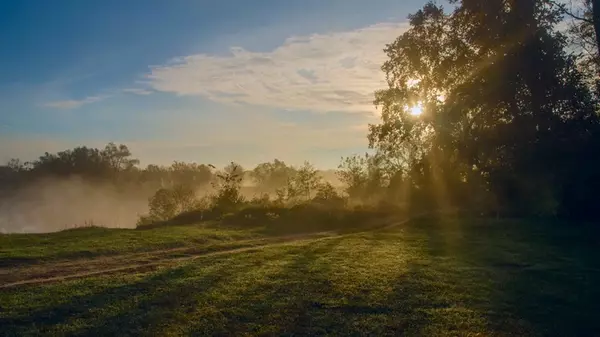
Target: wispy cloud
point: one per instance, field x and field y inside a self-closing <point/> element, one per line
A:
<point x="73" y="104"/>
<point x="137" y="91"/>
<point x="322" y="72"/>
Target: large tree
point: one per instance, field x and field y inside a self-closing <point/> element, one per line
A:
<point x="504" y="108"/>
<point x="584" y="34"/>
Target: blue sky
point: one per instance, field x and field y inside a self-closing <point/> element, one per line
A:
<point x="204" y="81"/>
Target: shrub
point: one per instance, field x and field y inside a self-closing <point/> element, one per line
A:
<point x="327" y="196"/>
<point x="167" y="203"/>
<point x="228" y="197"/>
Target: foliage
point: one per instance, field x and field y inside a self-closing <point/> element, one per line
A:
<point x="228" y="184"/>
<point x="327" y="196"/>
<point x="191" y="174"/>
<point x="365" y="178"/>
<point x="582" y="36"/>
<point x="304" y="183"/>
<point x="271" y="176"/>
<point x="118" y="157"/>
<point x="167" y="203"/>
<point x="503" y="104"/>
<point x="89" y="163"/>
<point x="262" y="200"/>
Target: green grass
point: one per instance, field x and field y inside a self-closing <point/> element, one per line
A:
<point x="18" y="249"/>
<point x="429" y="278"/>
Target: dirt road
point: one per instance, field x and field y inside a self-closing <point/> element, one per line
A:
<point x="58" y="271"/>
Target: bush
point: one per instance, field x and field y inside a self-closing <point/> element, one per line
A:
<point x="228" y="198"/>
<point x="167" y="203"/>
<point x="327" y="196"/>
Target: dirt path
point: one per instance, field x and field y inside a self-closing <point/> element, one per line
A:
<point x="142" y="261"/>
<point x="151" y="260"/>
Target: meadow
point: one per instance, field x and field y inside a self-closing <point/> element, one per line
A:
<point x="433" y="276"/>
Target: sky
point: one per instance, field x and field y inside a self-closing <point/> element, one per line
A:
<point x="198" y="81"/>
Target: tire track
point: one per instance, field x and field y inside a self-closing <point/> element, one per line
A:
<point x="157" y="259"/>
<point x="52" y="272"/>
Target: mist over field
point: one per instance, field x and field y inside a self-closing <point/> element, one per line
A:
<point x="55" y="204"/>
<point x="58" y="204"/>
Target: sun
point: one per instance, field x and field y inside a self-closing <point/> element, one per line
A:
<point x="417" y="109"/>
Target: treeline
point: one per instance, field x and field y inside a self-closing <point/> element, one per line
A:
<point x="178" y="188"/>
<point x="507" y="125"/>
<point x="115" y="164"/>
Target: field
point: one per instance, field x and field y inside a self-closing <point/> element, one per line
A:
<point x="426" y="277"/>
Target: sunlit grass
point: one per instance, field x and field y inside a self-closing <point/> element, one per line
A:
<point x="432" y="278"/>
<point x="91" y="242"/>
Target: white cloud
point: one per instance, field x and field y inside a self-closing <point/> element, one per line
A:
<point x="72" y="104"/>
<point x="322" y="72"/>
<point x="137" y="91"/>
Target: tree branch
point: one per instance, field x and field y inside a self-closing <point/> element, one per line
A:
<point x="564" y="10"/>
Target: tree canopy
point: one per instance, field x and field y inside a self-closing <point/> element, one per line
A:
<point x="506" y="118"/>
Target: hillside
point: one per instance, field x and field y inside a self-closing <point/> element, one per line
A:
<point x="425" y="277"/>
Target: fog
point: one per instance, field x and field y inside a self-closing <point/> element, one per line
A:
<point x="54" y="205"/>
<point x="64" y="203"/>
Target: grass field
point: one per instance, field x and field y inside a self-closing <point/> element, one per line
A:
<point x="17" y="249"/>
<point x="427" y="277"/>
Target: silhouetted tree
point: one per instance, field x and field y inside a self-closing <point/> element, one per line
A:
<point x="305" y="181"/>
<point x="584" y="38"/>
<point x="504" y="108"/>
<point x="228" y="185"/>
<point x="190" y="174"/>
<point x="271" y="176"/>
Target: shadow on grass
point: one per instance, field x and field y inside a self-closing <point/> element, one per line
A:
<point x="131" y="309"/>
<point x="77" y="306"/>
<point x="10" y="262"/>
<point x="301" y="300"/>
<point x="549" y="285"/>
<point x="456" y="278"/>
<point x="280" y="303"/>
<point x="521" y="277"/>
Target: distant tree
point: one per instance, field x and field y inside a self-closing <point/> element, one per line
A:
<point x="16" y="165"/>
<point x="81" y="161"/>
<point x="119" y="157"/>
<point x="305" y="181"/>
<point x="190" y="174"/>
<point x="228" y="185"/>
<point x="234" y="169"/>
<point x="90" y="163"/>
<point x="365" y="177"/>
<point x="13" y="174"/>
<point x="167" y="203"/>
<point x="327" y="195"/>
<point x="153" y="177"/>
<point x="271" y="176"/>
<point x="353" y="174"/>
